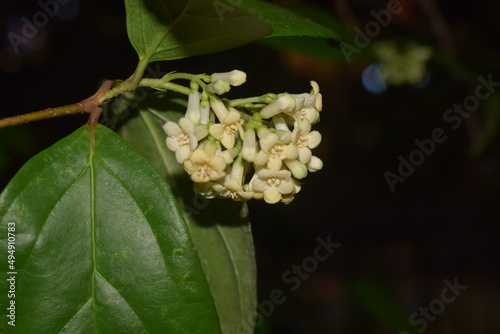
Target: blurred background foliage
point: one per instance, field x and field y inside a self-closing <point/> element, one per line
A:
<point x="397" y="247"/>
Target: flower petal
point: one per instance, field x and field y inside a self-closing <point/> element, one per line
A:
<point x="269" y="141"/>
<point x="189" y="167"/>
<point x="218" y="163"/>
<point x="198" y="156"/>
<point x="265" y="174"/>
<point x="186" y="125"/>
<point x="261" y="158"/>
<point x="287" y="199"/>
<point x="172" y="144"/>
<point x="201" y="131"/>
<point x="227" y="140"/>
<point x="282" y="174"/>
<point x="312" y="115"/>
<point x="305" y="127"/>
<point x="217" y="130"/>
<point x="318" y="105"/>
<point x="182" y="154"/>
<point x="259" y="185"/>
<point x="313" y="139"/>
<point x="245" y="195"/>
<point x="285" y="137"/>
<point x="229" y="155"/>
<point x="272" y="195"/>
<point x="172" y="129"/>
<point x="193" y="142"/>
<point x="285" y="187"/>
<point x="304" y="155"/>
<point x="315" y="87"/>
<point x="292" y="151"/>
<point x="274" y="163"/>
<point x="233" y="117"/>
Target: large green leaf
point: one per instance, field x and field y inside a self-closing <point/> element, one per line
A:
<point x="100" y="245"/>
<point x="285" y="22"/>
<point x="166" y="29"/>
<point x="326" y="46"/>
<point x="219" y="228"/>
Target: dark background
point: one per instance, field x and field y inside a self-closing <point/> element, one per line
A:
<point x="396" y="247"/>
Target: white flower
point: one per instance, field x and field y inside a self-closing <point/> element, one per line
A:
<point x="181" y="138"/>
<point x="270" y="134"/>
<point x="272" y="185"/>
<point x="204" y="165"/>
<point x="305" y="139"/>
<point x="312" y="104"/>
<point x="285" y="103"/>
<point x="226" y="130"/>
<point x="318" y="104"/>
<point x="233" y="190"/>
<point x="234" y="78"/>
<point x="233" y="187"/>
<point x="275" y="147"/>
<point x="193" y="111"/>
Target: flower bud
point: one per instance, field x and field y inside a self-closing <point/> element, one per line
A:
<point x="234" y="78"/>
<point x="193" y="111"/>
<point x="219" y="87"/>
<point x="249" y="149"/>
<point x="285" y="103"/>
<point x="315" y="164"/>
<point x="219" y="108"/>
<point x="299" y="170"/>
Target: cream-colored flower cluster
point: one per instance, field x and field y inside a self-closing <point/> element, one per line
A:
<point x="248" y="148"/>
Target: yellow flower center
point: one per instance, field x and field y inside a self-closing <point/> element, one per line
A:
<point x="231" y="128"/>
<point x="231" y="194"/>
<point x="302" y="114"/>
<point x="183" y="139"/>
<point x="204" y="170"/>
<point x="277" y="151"/>
<point x="302" y="141"/>
<point x="273" y="181"/>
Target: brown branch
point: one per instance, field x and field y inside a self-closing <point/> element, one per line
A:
<point x="90" y="106"/>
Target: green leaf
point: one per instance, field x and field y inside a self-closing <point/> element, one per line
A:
<point x="100" y="245"/>
<point x="286" y="22"/>
<point x="219" y="228"/>
<point x="165" y="29"/>
<point x="326" y="48"/>
<point x="311" y="46"/>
